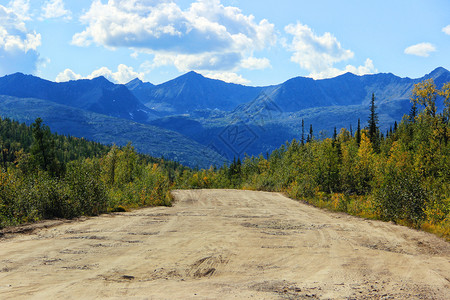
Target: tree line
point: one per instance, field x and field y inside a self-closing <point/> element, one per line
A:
<point x="401" y="176"/>
<point x="45" y="175"/>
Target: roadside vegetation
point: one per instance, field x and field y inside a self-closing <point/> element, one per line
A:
<point x="45" y="175"/>
<point x="402" y="175"/>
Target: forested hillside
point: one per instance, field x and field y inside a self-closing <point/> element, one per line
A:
<point x="401" y="176"/>
<point x="147" y="139"/>
<point x="44" y="175"/>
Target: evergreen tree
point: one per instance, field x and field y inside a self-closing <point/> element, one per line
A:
<point x="238" y="166"/>
<point x="303" y="132"/>
<point x="358" y="133"/>
<point x="43" y="148"/>
<point x="311" y="135"/>
<point x="3" y="152"/>
<point x="373" y="125"/>
<point x="334" y="136"/>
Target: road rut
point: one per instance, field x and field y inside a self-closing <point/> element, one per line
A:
<point x="222" y="244"/>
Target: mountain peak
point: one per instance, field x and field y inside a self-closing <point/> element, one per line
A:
<point x="439" y="74"/>
<point x="193" y="74"/>
<point x="101" y="79"/>
<point x="345" y="75"/>
<point x="17" y="74"/>
<point x="438" y="71"/>
<point x="20" y="79"/>
<point x="20" y="75"/>
<point x="135" y="81"/>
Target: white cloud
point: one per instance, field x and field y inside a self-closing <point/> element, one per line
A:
<point x="446" y="29"/>
<point x="21" y="8"/>
<point x="254" y="63"/>
<point x="320" y="54"/>
<point x="42" y="63"/>
<point x="316" y="54"/>
<point x="227" y="77"/>
<point x="19" y="42"/>
<point x="367" y="68"/>
<point x="67" y="75"/>
<point x="123" y="75"/>
<point x="422" y="49"/>
<point x="18" y="45"/>
<point x="53" y="9"/>
<point x="199" y="62"/>
<point x="207" y="36"/>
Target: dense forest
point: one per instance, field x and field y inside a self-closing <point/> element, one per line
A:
<point x="45" y="175"/>
<point x="402" y="175"/>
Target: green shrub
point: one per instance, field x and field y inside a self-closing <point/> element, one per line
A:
<point x="401" y="197"/>
<point x="87" y="193"/>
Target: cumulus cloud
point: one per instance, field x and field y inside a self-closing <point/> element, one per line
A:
<point x="315" y="53"/>
<point x="230" y="77"/>
<point x="320" y="54"/>
<point x="202" y="61"/>
<point x="367" y="68"/>
<point x="422" y="49"/>
<point x="446" y="29"/>
<point x="18" y="45"/>
<point x="254" y="63"/>
<point x="21" y="8"/>
<point x="54" y="9"/>
<point x="123" y="74"/>
<point x="67" y="75"/>
<point x="206" y="36"/>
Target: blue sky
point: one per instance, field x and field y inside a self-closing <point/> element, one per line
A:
<point x="248" y="42"/>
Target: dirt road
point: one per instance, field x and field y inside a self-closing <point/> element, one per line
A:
<point x="221" y="244"/>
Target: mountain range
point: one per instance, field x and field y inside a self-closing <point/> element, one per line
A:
<point x="200" y="121"/>
<point x="191" y="92"/>
<point x="97" y="95"/>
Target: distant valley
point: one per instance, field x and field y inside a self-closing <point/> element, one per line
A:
<point x="200" y="121"/>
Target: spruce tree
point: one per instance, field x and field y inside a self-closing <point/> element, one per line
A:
<point x="238" y="166"/>
<point x="311" y="135"/>
<point x="334" y="137"/>
<point x="3" y="153"/>
<point x="303" y="132"/>
<point x="373" y="125"/>
<point x="358" y="132"/>
<point x="43" y="148"/>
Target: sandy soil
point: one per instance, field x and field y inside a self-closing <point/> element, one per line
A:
<point x="221" y="244"/>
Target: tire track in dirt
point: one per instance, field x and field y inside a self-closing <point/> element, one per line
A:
<point x="224" y="244"/>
